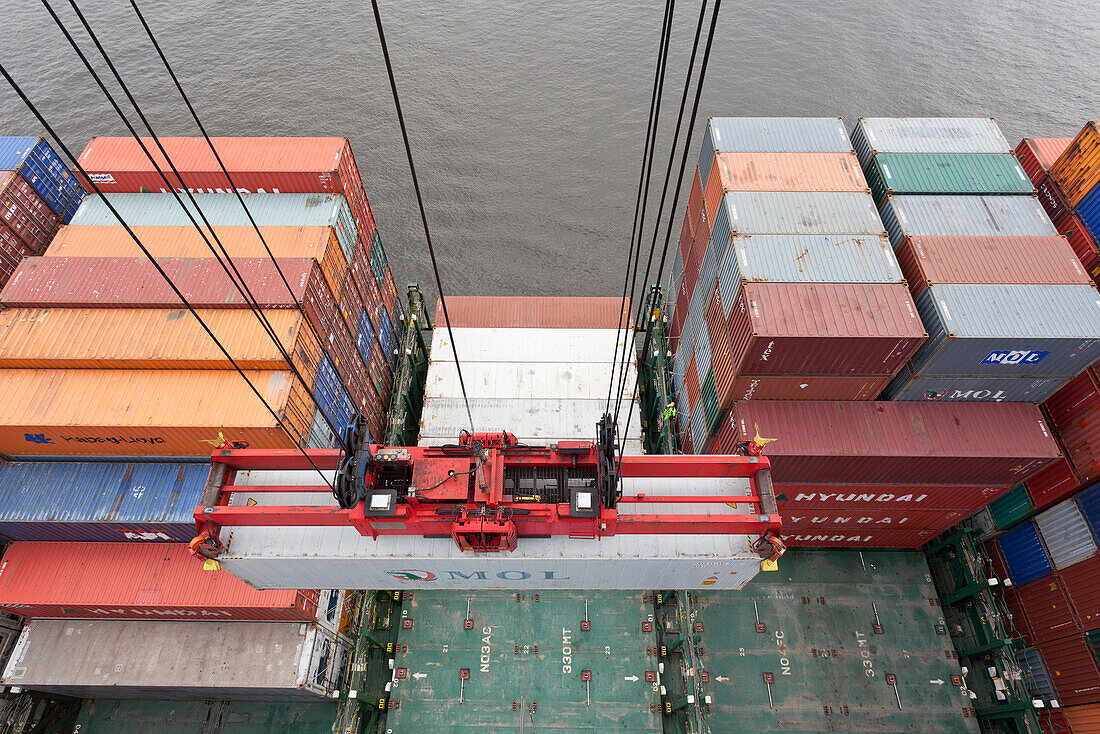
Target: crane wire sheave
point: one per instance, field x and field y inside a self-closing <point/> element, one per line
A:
<point x="680" y="175"/>
<point x="420" y="204"/>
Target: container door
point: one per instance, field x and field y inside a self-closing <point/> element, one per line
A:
<point x="1024" y="553"/>
<point x="1067" y="538"/>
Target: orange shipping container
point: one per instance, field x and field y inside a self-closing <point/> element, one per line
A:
<point x="1083" y="718"/>
<point x="1077" y="170"/>
<point x="158" y="339"/>
<point x="146" y="412"/>
<point x="319" y="243"/>
<point x="782" y="172"/>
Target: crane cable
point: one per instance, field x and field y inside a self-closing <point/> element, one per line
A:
<point x="235" y="277"/>
<point x="679" y="184"/>
<point x="420" y="203"/>
<point x="668" y="178"/>
<point x="95" y="187"/>
<point x="643" y="185"/>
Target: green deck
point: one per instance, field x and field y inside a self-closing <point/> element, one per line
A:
<point x="105" y="716"/>
<point x="819" y="644"/>
<point x="545" y="687"/>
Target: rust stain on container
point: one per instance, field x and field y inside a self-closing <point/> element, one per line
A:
<point x="1077" y="170"/>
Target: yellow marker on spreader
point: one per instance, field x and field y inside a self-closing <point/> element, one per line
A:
<point x="211" y="565"/>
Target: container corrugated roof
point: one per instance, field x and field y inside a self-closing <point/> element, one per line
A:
<point x="238" y="154"/>
<point x="927" y="135"/>
<point x="771" y="134"/>
<point x="946" y="173"/>
<point x="965" y="215"/>
<point x="810" y="259"/>
<point x="518" y="312"/>
<point x="799" y="213"/>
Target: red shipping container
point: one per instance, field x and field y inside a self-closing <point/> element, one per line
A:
<point x="1079" y="396"/>
<point x="701" y="240"/>
<point x="788" y="387"/>
<point x="995" y="444"/>
<point x="1072" y="669"/>
<point x="694" y="203"/>
<point x="1052" y="484"/>
<point x="850" y="538"/>
<point x="134" y="581"/>
<point x="351" y="305"/>
<point x="823" y="329"/>
<point x="691" y="383"/>
<point x="1082" y="719"/>
<point x="1053" y="721"/>
<point x="676" y="326"/>
<point x="1052" y="199"/>
<point x="1037" y="155"/>
<point x="1033" y="260"/>
<point x="859" y="497"/>
<point x="133" y="282"/>
<point x="685" y="237"/>
<point x="12" y="252"/>
<point x="1075" y="414"/>
<point x="1049" y="612"/>
<point x="26" y="213"/>
<point x="260" y="165"/>
<point x="1081" y="240"/>
<point x="1018" y="625"/>
<point x="1082" y="584"/>
<point x="504" y="312"/>
<point x="799" y="518"/>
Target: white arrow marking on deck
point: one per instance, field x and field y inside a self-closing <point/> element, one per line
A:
<point x="418" y="676"/>
<point x="631" y="678"/>
<point x="722" y="679"/>
<point x="937" y="682"/>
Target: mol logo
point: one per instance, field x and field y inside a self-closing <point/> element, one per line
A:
<point x="1015" y="357"/>
<point x="412" y="574"/>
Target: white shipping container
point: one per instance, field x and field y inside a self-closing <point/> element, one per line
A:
<point x="254" y="661"/>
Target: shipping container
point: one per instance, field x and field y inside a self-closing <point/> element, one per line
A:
<point x="801" y="387"/>
<point x="1037" y="155"/>
<point x="1049" y="612"/>
<point x="1078" y="397"/>
<point x="287" y="164"/>
<point x="1053" y="721"/>
<point x="977" y="388"/>
<point x="1089" y="212"/>
<point x="317" y="242"/>
<point x="147" y="412"/>
<point x="904" y="443"/>
<point x="987" y="216"/>
<point x="890" y="174"/>
<point x="134" y="282"/>
<point x="12" y="252"/>
<point x="807" y="259"/>
<point x="1072" y="669"/>
<point x="1081" y="440"/>
<point x="1052" y="199"/>
<point x="1011" y="507"/>
<point x="859" y="497"/>
<point x="790" y="212"/>
<point x="820" y="329"/>
<point x="1088" y="501"/>
<point x="252" y="661"/>
<point x="1077" y="170"/>
<point x="26" y="213"/>
<point x="1083" y="718"/>
<point x="798" y="519"/>
<point x="848" y="538"/>
<point x="1052" y="484"/>
<point x="1082" y="584"/>
<point x="1036" y="677"/>
<point x="873" y="135"/>
<point x="1065" y="534"/>
<point x="161" y="581"/>
<point x="100" y="502"/>
<point x="1003" y="330"/>
<point x="772" y="135"/>
<point x="507" y="312"/>
<point x="35" y="161"/>
<point x="64" y="338"/>
<point x="1025" y="555"/>
<point x="782" y="172"/>
<point x="931" y="260"/>
<point x="163" y="210"/>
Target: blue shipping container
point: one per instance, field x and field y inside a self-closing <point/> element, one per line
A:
<point x="386" y="338"/>
<point x="1027" y="559"/>
<point x="100" y="502"/>
<point x="1089" y="504"/>
<point x="364" y="337"/>
<point x="1089" y="211"/>
<point x="36" y="161"/>
<point x="332" y="397"/>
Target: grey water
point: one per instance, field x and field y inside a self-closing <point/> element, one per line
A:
<point x="528" y="119"/>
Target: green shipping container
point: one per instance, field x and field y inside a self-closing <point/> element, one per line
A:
<point x="1011" y="507"/>
<point x="112" y="716"/>
<point x="946" y="173"/>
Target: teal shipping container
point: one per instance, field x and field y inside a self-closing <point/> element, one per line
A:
<point x="946" y="173"/>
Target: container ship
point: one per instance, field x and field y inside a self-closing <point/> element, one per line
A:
<point x="848" y="485"/>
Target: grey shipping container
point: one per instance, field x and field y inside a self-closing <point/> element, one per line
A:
<point x="1065" y="534"/>
<point x="807" y="259"/>
<point x="795" y="212"/>
<point x="1036" y="677"/>
<point x="253" y="661"/>
<point x="771" y="135"/>
<point x="930" y="214"/>
<point x="927" y="135"/>
<point x="980" y="388"/>
<point x="1008" y="330"/>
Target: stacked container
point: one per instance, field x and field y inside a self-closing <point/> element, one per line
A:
<point x="1054" y="596"/>
<point x="37" y="193"/>
<point x="1011" y="314"/>
<point x="1058" y="165"/>
<point x="888" y="474"/>
<point x="786" y="284"/>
